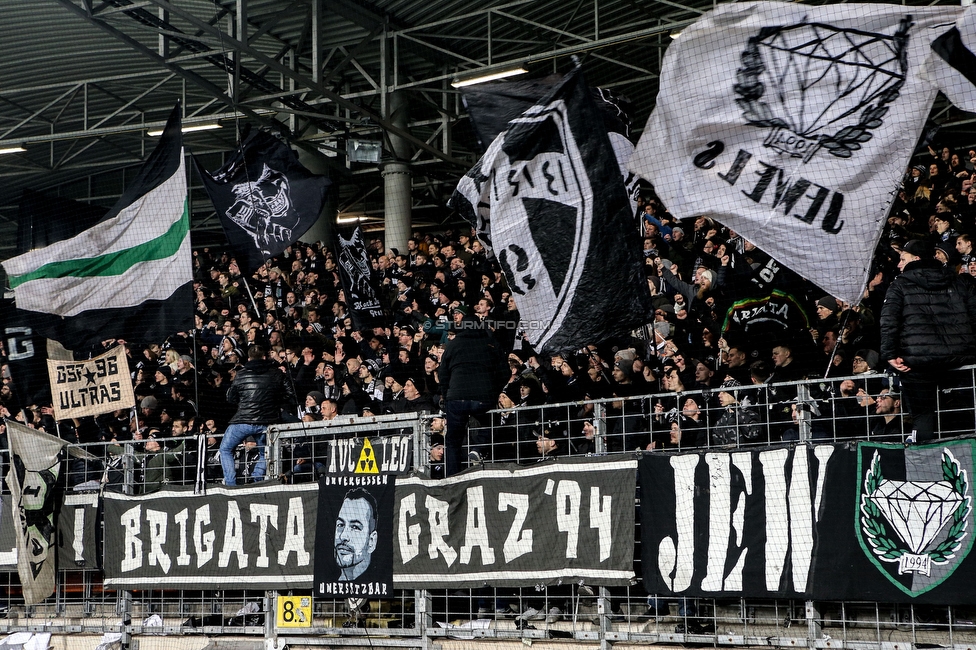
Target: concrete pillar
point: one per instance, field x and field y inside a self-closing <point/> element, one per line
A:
<point x="397" y="199"/>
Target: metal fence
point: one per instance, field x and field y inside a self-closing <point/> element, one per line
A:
<point x="836" y="409"/>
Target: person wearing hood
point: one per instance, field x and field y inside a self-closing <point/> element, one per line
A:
<point x="260" y="391"/>
<point x="928" y="326"/>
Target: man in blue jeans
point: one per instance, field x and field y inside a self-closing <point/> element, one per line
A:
<point x="260" y="390"/>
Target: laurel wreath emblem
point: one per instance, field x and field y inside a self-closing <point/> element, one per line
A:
<point x="888" y="548"/>
<point x="750" y="90"/>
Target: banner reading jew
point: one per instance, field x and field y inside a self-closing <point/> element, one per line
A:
<point x="98" y="385"/>
<point x="564" y="521"/>
<point x="354" y="555"/>
<point x="736" y="523"/>
<point x="253" y="537"/>
<point x="792" y="125"/>
<point x="355" y="271"/>
<point x="901" y="525"/>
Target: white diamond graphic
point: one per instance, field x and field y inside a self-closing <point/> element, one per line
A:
<point x="918" y="510"/>
<point x="819" y="75"/>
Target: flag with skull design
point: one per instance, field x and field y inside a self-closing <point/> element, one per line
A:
<point x="265" y="198"/>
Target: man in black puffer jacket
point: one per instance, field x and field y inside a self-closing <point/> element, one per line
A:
<point x="471" y="374"/>
<point x="928" y="326"/>
<point x="260" y="391"/>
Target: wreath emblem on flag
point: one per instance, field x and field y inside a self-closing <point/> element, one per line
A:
<point x="820" y="86"/>
<point x="919" y="526"/>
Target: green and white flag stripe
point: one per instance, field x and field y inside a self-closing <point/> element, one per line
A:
<point x="142" y="253"/>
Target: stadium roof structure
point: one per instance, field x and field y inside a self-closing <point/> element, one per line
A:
<point x="83" y="83"/>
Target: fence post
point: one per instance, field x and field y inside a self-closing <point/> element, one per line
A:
<point x="814" y="630"/>
<point x="804" y="418"/>
<point x="600" y="428"/>
<point x="603" y="609"/>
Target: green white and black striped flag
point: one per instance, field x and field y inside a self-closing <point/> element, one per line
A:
<point x="127" y="277"/>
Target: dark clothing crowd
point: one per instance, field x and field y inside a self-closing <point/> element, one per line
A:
<point x="717" y="354"/>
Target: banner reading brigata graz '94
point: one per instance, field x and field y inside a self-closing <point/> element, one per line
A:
<point x="740" y="523"/>
<point x="255" y="537"/>
<point x="567" y="520"/>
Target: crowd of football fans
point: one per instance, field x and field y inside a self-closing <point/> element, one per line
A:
<point x="713" y="356"/>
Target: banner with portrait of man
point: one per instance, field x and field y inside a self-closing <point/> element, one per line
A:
<point x="354" y="548"/>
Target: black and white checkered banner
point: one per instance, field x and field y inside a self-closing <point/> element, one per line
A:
<point x="260" y="537"/>
<point x="570" y="520"/>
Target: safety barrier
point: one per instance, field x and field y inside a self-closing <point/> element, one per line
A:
<point x="813" y="410"/>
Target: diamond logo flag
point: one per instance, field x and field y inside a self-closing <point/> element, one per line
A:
<point x="792" y="125"/>
<point x="915" y="518"/>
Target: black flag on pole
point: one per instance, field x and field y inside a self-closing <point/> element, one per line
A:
<point x="355" y="270"/>
<point x="549" y="198"/>
<point x="265" y="198"/>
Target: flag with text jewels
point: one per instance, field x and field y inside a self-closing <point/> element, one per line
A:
<point x="793" y="125"/>
<point x="549" y="199"/>
<point x="355" y="271"/>
<point x="265" y="198"/>
<point x="901" y="525"/>
<point x="571" y="520"/>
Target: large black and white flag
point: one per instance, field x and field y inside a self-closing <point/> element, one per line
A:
<point x="492" y="106"/>
<point x="557" y="522"/>
<point x="952" y="64"/>
<point x="355" y="270"/>
<point x="265" y="198"/>
<point x="35" y="466"/>
<point x="549" y="199"/>
<point x="792" y="125"/>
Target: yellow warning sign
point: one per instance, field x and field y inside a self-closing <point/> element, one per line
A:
<point x="294" y="611"/>
<point x="367" y="460"/>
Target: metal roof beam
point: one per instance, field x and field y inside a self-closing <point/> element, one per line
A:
<point x="277" y="66"/>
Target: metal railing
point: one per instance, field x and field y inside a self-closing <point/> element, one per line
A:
<point x="812" y="410"/>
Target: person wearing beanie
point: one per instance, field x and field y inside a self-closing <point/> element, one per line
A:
<point x="928" y="326"/>
<point x="739" y="424"/>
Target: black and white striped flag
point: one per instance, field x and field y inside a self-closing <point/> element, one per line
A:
<point x="952" y="65"/>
